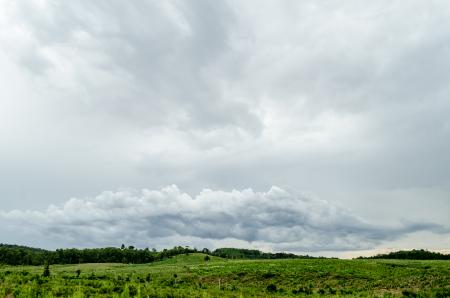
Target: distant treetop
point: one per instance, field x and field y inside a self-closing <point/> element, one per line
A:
<point x="415" y="254"/>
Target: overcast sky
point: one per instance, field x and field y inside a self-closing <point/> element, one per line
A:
<point x="303" y="126"/>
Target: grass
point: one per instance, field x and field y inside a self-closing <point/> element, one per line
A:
<point x="192" y="276"/>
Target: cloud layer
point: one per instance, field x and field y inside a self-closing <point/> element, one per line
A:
<point x="276" y="219"/>
<point x="348" y="101"/>
<point x="143" y="63"/>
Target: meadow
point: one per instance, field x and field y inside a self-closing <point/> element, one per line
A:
<point x="190" y="275"/>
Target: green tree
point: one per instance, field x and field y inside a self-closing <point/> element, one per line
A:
<point x="46" y="272"/>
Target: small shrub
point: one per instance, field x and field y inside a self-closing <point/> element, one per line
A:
<point x="46" y="272"/>
<point x="269" y="275"/>
<point x="407" y="293"/>
<point x="39" y="280"/>
<point x="271" y="288"/>
<point x="132" y="290"/>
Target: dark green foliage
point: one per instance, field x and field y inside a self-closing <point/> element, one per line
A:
<point x="408" y="293"/>
<point x="46" y="272"/>
<point x="441" y="293"/>
<point x="415" y="254"/>
<point x="207" y="258"/>
<point x="132" y="290"/>
<point x="271" y="288"/>
<point x="241" y="253"/>
<point x="22" y="255"/>
<point x="268" y="275"/>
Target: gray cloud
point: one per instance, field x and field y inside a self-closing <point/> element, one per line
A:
<point x="151" y="63"/>
<point x="277" y="219"/>
<point x="346" y="100"/>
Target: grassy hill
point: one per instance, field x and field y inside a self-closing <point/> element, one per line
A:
<point x="191" y="276"/>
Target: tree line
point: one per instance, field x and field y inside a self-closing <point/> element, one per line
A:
<point x="415" y="254"/>
<point x="23" y="255"/>
<point x="241" y="253"/>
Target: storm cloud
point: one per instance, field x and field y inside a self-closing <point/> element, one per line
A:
<point x="347" y="101"/>
<point x="276" y="219"/>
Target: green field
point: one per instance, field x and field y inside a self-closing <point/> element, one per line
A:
<point x="192" y="276"/>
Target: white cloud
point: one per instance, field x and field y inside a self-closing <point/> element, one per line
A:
<point x="276" y="219"/>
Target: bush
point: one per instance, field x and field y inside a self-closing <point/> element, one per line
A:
<point x="46" y="272"/>
<point x="271" y="288"/>
<point x="132" y="290"/>
<point x="407" y="293"/>
<point x="268" y="275"/>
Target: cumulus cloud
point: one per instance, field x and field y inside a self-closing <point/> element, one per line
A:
<point x="276" y="219"/>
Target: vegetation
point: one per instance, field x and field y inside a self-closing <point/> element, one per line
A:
<point x="191" y="276"/>
<point x="46" y="270"/>
<point x="240" y="253"/>
<point x="415" y="254"/>
<point x="225" y="272"/>
<point x="23" y="255"/>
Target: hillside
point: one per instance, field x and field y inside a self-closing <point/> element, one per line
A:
<point x="192" y="276"/>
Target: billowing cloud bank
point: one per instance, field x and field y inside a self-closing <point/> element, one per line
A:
<point x="276" y="219"/>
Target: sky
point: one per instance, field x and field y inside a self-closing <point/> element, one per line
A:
<point x="317" y="127"/>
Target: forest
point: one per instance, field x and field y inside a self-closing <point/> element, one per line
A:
<point x="23" y="255"/>
<point x="415" y="254"/>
